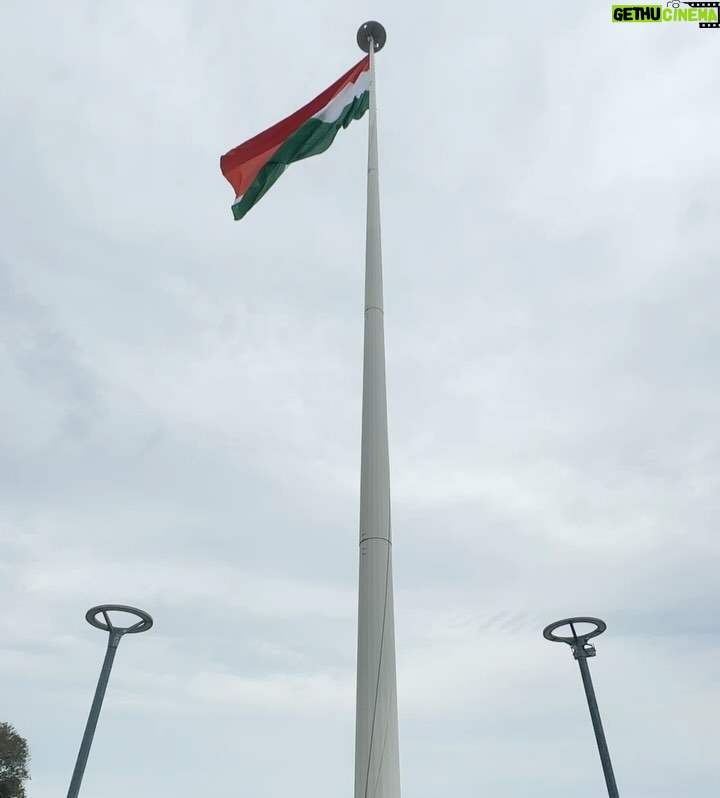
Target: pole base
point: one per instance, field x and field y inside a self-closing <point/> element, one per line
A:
<point x="371" y="30"/>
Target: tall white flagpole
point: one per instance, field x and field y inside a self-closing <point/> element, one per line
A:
<point x="377" y="760"/>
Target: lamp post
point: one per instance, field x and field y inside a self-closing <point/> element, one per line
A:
<point x="582" y="649"/>
<point x="115" y="634"/>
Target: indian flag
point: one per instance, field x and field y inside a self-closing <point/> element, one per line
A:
<point x="255" y="165"/>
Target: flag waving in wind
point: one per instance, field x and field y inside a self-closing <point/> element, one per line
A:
<point x="255" y="165"/>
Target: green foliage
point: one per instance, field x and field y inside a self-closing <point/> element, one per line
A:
<point x="14" y="760"/>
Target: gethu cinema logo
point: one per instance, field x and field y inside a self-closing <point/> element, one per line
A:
<point x="704" y="13"/>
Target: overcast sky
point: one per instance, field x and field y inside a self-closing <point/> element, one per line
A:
<point x="180" y="395"/>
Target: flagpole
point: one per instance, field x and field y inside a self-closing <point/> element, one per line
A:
<point x="377" y="762"/>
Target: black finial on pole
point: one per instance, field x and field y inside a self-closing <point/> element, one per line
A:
<point x="371" y="31"/>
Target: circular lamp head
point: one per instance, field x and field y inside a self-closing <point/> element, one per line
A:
<point x="144" y="623"/>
